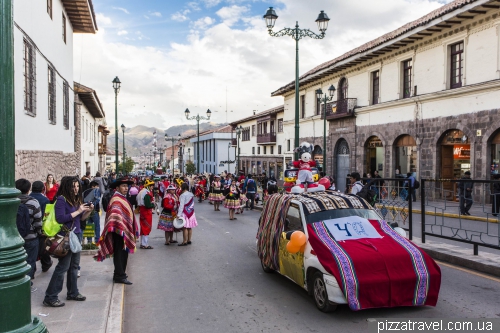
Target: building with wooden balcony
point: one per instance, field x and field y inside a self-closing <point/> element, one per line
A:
<point x="410" y="99"/>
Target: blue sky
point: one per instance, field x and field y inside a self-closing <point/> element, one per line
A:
<point x="173" y="55"/>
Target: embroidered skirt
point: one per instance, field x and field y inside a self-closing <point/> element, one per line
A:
<point x="216" y="197"/>
<point x="232" y="203"/>
<point x="166" y="221"/>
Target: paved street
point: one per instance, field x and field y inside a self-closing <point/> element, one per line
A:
<point x="217" y="285"/>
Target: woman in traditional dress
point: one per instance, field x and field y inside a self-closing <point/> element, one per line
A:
<point x="200" y="190"/>
<point x="232" y="202"/>
<point x="186" y="210"/>
<point x="145" y="201"/>
<point x="243" y="199"/>
<point x="216" y="196"/>
<point x="170" y="204"/>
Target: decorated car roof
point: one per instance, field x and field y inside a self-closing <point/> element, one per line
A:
<point x="314" y="202"/>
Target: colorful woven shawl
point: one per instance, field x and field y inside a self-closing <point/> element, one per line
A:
<point x="120" y="219"/>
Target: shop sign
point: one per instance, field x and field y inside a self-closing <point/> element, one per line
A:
<point x="461" y="152"/>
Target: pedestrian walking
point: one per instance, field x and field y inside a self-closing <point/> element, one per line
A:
<point x="170" y="203"/>
<point x="101" y="181"/>
<point x="411" y="180"/>
<point x="495" y="202"/>
<point x="36" y="192"/>
<point x="356" y="184"/>
<point x="51" y="187"/>
<point x="132" y="193"/>
<point x="30" y="228"/>
<point x="465" y="193"/>
<point x="186" y="211"/>
<point x="250" y="189"/>
<point x="69" y="211"/>
<point x="120" y="231"/>
<point x="145" y="201"/>
<point x="232" y="201"/>
<point x="216" y="196"/>
<point x="93" y="195"/>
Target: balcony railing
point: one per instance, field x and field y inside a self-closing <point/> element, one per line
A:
<point x="339" y="109"/>
<point x="266" y="138"/>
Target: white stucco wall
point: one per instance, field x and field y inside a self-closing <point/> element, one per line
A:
<point x="213" y="150"/>
<point x="36" y="133"/>
<point x="89" y="141"/>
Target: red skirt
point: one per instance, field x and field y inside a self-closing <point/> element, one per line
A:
<point x="146" y="219"/>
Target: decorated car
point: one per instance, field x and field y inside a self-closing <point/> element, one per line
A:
<point x="339" y="249"/>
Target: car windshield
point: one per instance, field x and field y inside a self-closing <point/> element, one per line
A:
<point x="338" y="213"/>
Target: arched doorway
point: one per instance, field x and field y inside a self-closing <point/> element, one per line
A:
<point x="375" y="157"/>
<point x="406" y="155"/>
<point x="342" y="155"/>
<point x="317" y="156"/>
<point x="495" y="153"/>
<point x="454" y="147"/>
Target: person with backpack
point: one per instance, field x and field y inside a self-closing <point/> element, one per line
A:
<point x="465" y="191"/>
<point x="29" y="224"/>
<point x="85" y="181"/>
<point x="250" y="188"/>
<point x="93" y="196"/>
<point x="356" y="185"/>
<point x="410" y="178"/>
<point x="36" y="192"/>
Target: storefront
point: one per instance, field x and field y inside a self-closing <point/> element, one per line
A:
<point x="495" y="154"/>
<point x="406" y="155"/>
<point x="272" y="169"/>
<point x="375" y="155"/>
<point x="455" y="160"/>
<point x="279" y="166"/>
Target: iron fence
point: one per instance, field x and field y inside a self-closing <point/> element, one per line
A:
<point x="465" y="211"/>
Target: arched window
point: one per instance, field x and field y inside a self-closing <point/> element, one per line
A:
<point x="342" y="89"/>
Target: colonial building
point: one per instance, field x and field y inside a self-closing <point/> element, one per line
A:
<point x="92" y="117"/>
<point x="263" y="143"/>
<point x="46" y="127"/>
<point x="216" y="150"/>
<point x="424" y="98"/>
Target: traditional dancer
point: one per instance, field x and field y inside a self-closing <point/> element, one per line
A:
<point x="216" y="196"/>
<point x="145" y="202"/>
<point x="200" y="190"/>
<point x="186" y="210"/>
<point x="232" y="202"/>
<point x="170" y="204"/>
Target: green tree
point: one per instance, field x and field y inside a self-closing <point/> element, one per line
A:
<point x="129" y="165"/>
<point x="190" y="168"/>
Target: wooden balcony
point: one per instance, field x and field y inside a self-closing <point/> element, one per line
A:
<point x="339" y="109"/>
<point x="266" y="138"/>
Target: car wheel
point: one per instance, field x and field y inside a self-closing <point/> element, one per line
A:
<point x="321" y="295"/>
<point x="265" y="268"/>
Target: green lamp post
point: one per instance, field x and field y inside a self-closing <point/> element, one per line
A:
<point x="324" y="99"/>
<point x="296" y="34"/>
<point x="116" y="87"/>
<point x="173" y="139"/>
<point x="123" y="155"/>
<point x="239" y="130"/>
<point x="15" y="295"/>
<point x="198" y="118"/>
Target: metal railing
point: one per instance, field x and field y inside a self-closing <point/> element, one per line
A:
<point x="450" y="211"/>
<point x="341" y="108"/>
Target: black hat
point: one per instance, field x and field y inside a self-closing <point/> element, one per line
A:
<point x="37" y="186"/>
<point x="467" y="173"/>
<point x="122" y="180"/>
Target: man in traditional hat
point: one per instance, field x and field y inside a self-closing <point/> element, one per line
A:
<point x="120" y="231"/>
<point x="145" y="201"/>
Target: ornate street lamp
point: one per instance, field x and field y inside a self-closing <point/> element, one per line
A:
<point x="324" y="99"/>
<point x="180" y="158"/>
<point x="296" y="34"/>
<point x="123" y="155"/>
<point x="198" y="118"/>
<point x="116" y="86"/>
<point x="173" y="139"/>
<point x="15" y="296"/>
<point x="239" y="129"/>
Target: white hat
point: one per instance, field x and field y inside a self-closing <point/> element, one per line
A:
<point x="179" y="222"/>
<point x="171" y="187"/>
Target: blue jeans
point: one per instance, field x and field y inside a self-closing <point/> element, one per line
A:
<point x="31" y="248"/>
<point x="94" y="218"/>
<point x="68" y="264"/>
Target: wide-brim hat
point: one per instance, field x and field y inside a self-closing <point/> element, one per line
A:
<point x="120" y="181"/>
<point x="179" y="222"/>
<point x="171" y="187"/>
<point x="217" y="176"/>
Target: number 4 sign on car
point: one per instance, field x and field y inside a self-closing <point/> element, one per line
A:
<point x="352" y="227"/>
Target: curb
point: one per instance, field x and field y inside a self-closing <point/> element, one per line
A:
<point x="88" y="252"/>
<point x="115" y="311"/>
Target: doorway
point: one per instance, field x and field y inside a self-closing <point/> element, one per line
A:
<point x="375" y="156"/>
<point x="342" y="154"/>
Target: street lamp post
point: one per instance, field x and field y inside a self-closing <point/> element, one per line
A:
<point x="238" y="134"/>
<point x="116" y="87"/>
<point x="198" y="118"/>
<point x="296" y="34"/>
<point x="180" y="159"/>
<point x="173" y="139"/>
<point x="189" y="155"/>
<point x="324" y="99"/>
<point x="123" y="155"/>
<point x="15" y="299"/>
<point x="228" y="159"/>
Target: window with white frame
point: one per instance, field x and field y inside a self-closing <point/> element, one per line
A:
<point x="456" y="64"/>
<point x="65" y="104"/>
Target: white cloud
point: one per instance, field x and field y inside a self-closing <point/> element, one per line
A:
<point x="103" y="20"/>
<point x="249" y="62"/>
<point x="122" y="9"/>
<point x="194" y="6"/>
<point x="179" y="17"/>
<point x="211" y="3"/>
<point x="122" y="32"/>
<point x="203" y="23"/>
<point x="157" y="14"/>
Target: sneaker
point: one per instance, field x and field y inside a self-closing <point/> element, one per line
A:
<point x="78" y="297"/>
<point x="78" y="273"/>
<point x="33" y="289"/>
<point x="55" y="304"/>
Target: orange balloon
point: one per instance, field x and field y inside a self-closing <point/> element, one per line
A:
<point x="290" y="247"/>
<point x="303" y="248"/>
<point x="298" y="238"/>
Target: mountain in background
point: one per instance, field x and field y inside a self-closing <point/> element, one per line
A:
<point x="139" y="139"/>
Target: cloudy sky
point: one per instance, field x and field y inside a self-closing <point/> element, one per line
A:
<point x="172" y="55"/>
